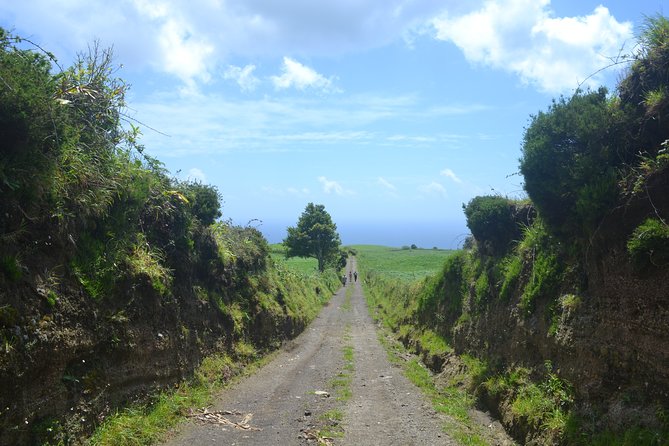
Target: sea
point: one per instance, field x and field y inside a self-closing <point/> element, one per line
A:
<point x="428" y="235"/>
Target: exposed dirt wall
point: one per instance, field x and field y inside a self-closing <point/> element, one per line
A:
<point x="68" y="362"/>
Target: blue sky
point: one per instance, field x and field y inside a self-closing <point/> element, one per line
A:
<point x="391" y="113"/>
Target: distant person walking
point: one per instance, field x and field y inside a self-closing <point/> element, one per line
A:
<point x="355" y="276"/>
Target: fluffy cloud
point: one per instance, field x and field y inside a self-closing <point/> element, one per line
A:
<point x="189" y="39"/>
<point x="243" y="76"/>
<point x="301" y="77"/>
<point x="183" y="54"/>
<point x="523" y="37"/>
<point x="448" y="173"/>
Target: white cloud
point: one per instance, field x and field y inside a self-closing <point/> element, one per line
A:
<point x="387" y="184"/>
<point x="243" y="76"/>
<point x="523" y="37"/>
<point x="448" y="173"/>
<point x="189" y="39"/>
<point x="301" y="77"/>
<point x="184" y="54"/>
<point x="196" y="174"/>
<point x="331" y="186"/>
<point x="434" y="188"/>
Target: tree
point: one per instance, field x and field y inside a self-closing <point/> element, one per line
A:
<point x="314" y="236"/>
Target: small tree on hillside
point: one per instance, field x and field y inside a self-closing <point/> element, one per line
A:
<point x="314" y="236"/>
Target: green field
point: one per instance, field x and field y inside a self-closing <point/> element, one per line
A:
<point x="297" y="264"/>
<point x="404" y="264"/>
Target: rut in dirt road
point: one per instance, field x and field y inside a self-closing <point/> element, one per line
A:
<point x="368" y="399"/>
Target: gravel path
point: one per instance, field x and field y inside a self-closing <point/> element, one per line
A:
<point x="384" y="408"/>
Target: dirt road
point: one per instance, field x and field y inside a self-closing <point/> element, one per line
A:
<point x="368" y="400"/>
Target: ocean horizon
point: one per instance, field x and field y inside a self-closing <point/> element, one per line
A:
<point x="443" y="235"/>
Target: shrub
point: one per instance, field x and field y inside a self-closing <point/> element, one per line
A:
<point x="246" y="246"/>
<point x="204" y="201"/>
<point x="649" y="244"/>
<point x="30" y="123"/>
<point x="568" y="161"/>
<point x="491" y="220"/>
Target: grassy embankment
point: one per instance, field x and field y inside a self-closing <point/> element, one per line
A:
<point x="149" y="423"/>
<point x="391" y="278"/>
<point x="418" y="312"/>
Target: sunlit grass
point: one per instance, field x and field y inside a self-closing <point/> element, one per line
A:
<point x="404" y="264"/>
<point x="147" y="424"/>
<point x="301" y="265"/>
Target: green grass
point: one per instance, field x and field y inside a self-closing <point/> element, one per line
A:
<point x="147" y="424"/>
<point x="404" y="264"/>
<point x="342" y="382"/>
<point x="390" y="291"/>
<point x="449" y="400"/>
<point x="300" y="265"/>
<point x="333" y="420"/>
<point x="433" y="343"/>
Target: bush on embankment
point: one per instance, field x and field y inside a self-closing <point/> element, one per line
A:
<point x="115" y="279"/>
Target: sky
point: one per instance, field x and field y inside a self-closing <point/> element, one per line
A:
<point x="390" y="113"/>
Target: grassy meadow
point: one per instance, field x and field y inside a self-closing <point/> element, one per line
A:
<point x="404" y="264"/>
<point x="299" y="265"/>
<point x="397" y="263"/>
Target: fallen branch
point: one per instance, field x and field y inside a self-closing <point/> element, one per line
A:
<point x="219" y="417"/>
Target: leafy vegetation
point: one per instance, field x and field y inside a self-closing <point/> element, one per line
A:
<point x="493" y="223"/>
<point x="649" y="244"/>
<point x="544" y="405"/>
<point x="569" y="160"/>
